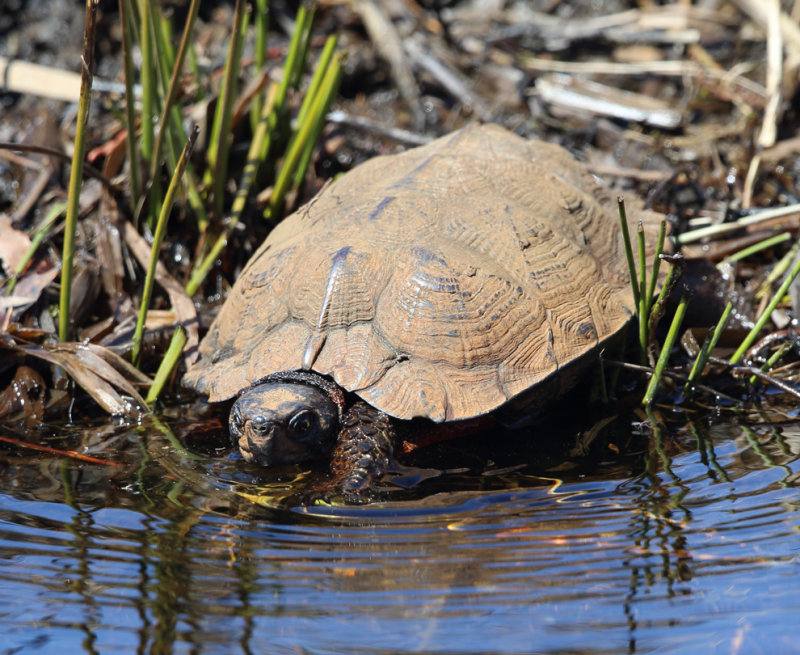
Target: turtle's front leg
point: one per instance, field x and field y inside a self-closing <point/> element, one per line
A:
<point x="364" y="449"/>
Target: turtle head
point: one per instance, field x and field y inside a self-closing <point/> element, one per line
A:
<point x="283" y="422"/>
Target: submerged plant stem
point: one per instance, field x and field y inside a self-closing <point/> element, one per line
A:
<point x="669" y="341"/>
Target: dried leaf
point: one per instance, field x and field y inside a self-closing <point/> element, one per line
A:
<point x="24" y="332"/>
<point x="13" y="302"/>
<point x="13" y="245"/>
<point x="105" y="395"/>
<point x="113" y="153"/>
<point x="30" y="287"/>
<point x="98" y="371"/>
<point x="120" y="364"/>
<point x="109" y="254"/>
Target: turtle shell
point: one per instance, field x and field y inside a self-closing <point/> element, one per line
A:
<point x="441" y="282"/>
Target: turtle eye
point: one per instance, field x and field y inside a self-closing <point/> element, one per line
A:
<point x="302" y="422"/>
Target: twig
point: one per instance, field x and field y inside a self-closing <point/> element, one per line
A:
<point x="90" y="171"/>
<point x="387" y="41"/>
<point x="769" y="129"/>
<point x="754" y="219"/>
<point x="742" y="371"/>
<point x="599" y="99"/>
<point x="56" y="451"/>
<point x="758" y="10"/>
<point x="668" y="67"/>
<point x="679" y="376"/>
<point x="398" y="134"/>
<point x="448" y="78"/>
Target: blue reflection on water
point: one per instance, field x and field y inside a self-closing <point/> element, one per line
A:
<point x="701" y="559"/>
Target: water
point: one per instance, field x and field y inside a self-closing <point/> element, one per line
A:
<point x="686" y="542"/>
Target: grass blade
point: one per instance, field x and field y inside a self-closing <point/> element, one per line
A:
<point x="626" y="237"/>
<point x="651" y="290"/>
<point x="767" y="366"/>
<point x="76" y="172"/>
<point x="305" y="138"/>
<point x="293" y="62"/>
<point x="765" y="315"/>
<point x="54" y="211"/>
<point x="248" y="177"/>
<point x="172" y="91"/>
<point x="319" y="113"/>
<point x="319" y="75"/>
<point x="644" y="310"/>
<point x="168" y="363"/>
<point x="758" y="247"/>
<point x="261" y="25"/>
<point x="171" y="357"/>
<point x="220" y="139"/>
<point x="158" y="237"/>
<point x="657" y="309"/>
<point x="708" y="347"/>
<point x="669" y="341"/>
<point x="148" y="73"/>
<point x="125" y="15"/>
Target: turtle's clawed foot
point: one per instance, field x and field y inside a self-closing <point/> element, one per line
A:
<point x="363" y="453"/>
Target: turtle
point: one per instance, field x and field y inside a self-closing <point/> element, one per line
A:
<point x="478" y="274"/>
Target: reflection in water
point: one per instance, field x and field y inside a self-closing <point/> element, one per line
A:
<point x="688" y="545"/>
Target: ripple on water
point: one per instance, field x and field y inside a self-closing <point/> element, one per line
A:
<point x="700" y="557"/>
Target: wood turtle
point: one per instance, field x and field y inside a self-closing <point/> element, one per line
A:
<point x="479" y="272"/>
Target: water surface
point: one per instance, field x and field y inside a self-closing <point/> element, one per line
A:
<point x="683" y="542"/>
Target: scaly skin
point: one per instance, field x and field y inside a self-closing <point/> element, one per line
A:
<point x="364" y="449"/>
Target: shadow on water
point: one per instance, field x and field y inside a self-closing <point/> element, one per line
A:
<point x="681" y="539"/>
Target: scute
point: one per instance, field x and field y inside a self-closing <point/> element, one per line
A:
<point x="440" y="282"/>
